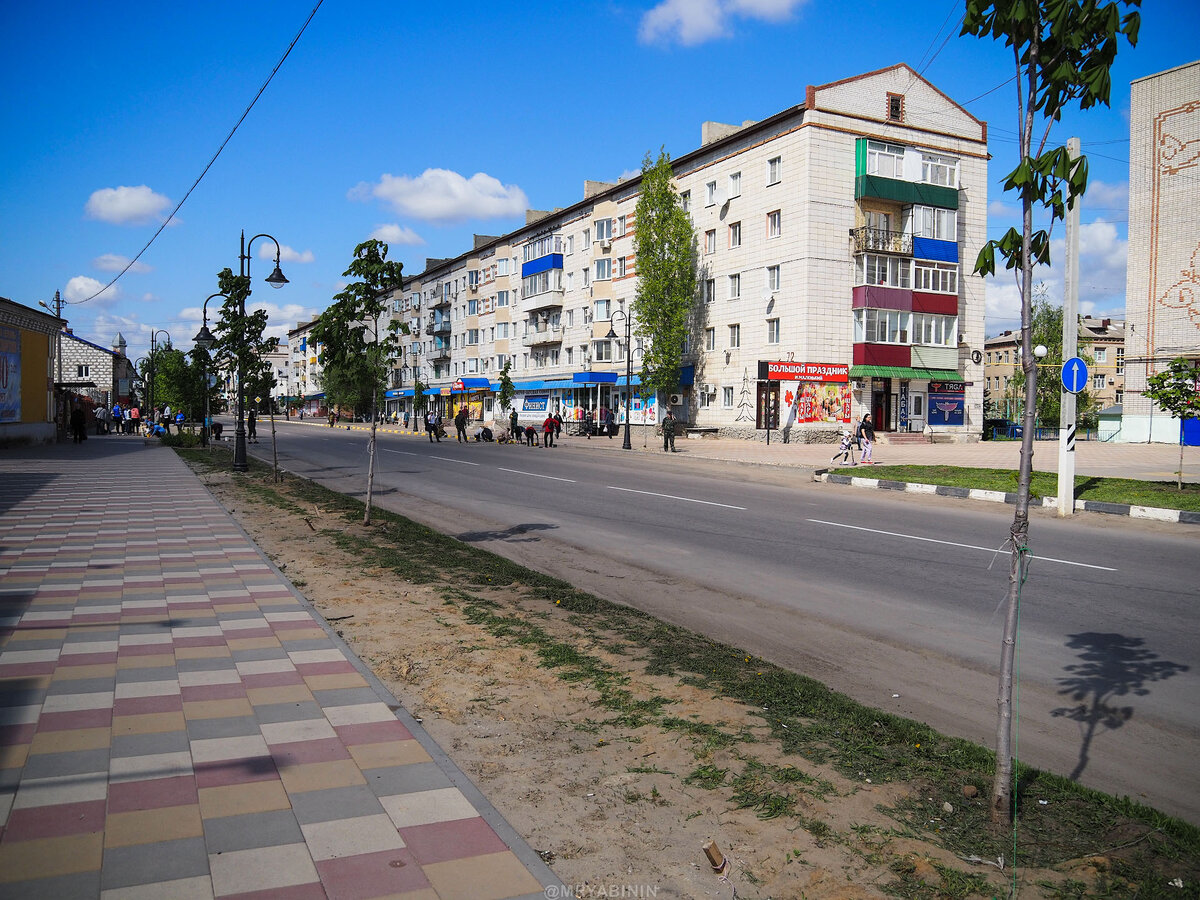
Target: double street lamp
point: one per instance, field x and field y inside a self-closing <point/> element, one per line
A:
<point x="153" y="345"/>
<point x="612" y="336"/>
<point x="275" y="280"/>
<point x="204" y="340"/>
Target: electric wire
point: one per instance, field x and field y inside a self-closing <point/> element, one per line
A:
<point x="200" y="177"/>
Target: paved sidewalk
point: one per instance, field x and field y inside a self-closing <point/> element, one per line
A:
<point x="176" y="721"/>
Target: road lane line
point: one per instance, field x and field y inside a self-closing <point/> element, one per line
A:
<point x="917" y="537"/>
<point x="536" y="475"/>
<point x="673" y="497"/>
<point x="465" y="462"/>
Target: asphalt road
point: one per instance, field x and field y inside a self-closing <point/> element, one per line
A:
<point x="894" y="599"/>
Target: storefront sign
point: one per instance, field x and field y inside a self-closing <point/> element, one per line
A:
<point x="803" y="371"/>
<point x="902" y="410"/>
<point x="535" y="404"/>
<point x="947" y="387"/>
<point x="946" y="408"/>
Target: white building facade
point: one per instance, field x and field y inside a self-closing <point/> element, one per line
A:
<point x="834" y="247"/>
<point x="1162" y="300"/>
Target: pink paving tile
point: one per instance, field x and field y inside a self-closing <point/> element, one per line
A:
<point x="153" y="793"/>
<point x="83" y="718"/>
<point x="272" y="679"/>
<point x="87" y="659"/>
<point x="310" y="891"/>
<point x="329" y="668"/>
<point x="136" y="706"/>
<point x="212" y="692"/>
<point x="55" y="821"/>
<point x="299" y="752"/>
<point x="442" y="841"/>
<point x="214" y="641"/>
<point x="145" y="649"/>
<point x="12" y="735"/>
<point x="372" y="733"/>
<point x="22" y="670"/>
<point x="371" y="875"/>
<point x="236" y="771"/>
<point x="113" y="618"/>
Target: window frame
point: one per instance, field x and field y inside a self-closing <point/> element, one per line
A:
<point x="735" y="335"/>
<point x="735" y="235"/>
<point x="774" y="224"/>
<point x="774" y="170"/>
<point x="734" y="282"/>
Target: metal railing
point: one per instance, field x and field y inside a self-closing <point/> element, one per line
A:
<point x="881" y="240"/>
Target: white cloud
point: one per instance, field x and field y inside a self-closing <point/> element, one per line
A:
<point x="439" y="195"/>
<point x="397" y="234"/>
<point x="1109" y="200"/>
<point x="691" y="22"/>
<point x="81" y="287"/>
<point x="126" y="205"/>
<point x="286" y="253"/>
<point x="114" y="262"/>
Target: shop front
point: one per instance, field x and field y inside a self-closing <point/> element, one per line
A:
<point x="901" y="398"/>
<point x="816" y="396"/>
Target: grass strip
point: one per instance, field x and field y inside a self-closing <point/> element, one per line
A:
<point x="1163" y="494"/>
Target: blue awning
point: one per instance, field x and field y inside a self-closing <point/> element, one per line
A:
<point x="398" y="392"/>
<point x="472" y="384"/>
<point x="432" y="392"/>
<point x="594" y="377"/>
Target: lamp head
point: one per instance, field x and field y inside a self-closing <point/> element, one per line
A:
<point x="612" y="334"/>
<point x="1040" y="351"/>
<point x="276" y="279"/>
<point x="204" y="338"/>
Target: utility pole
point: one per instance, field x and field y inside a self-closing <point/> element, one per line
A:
<point x="1066" y="413"/>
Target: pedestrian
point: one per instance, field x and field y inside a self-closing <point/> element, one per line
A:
<point x="406" y="420"/>
<point x="331" y="418"/>
<point x="101" y="420"/>
<point x="251" y="422"/>
<point x="134" y="421"/>
<point x="548" y="432"/>
<point x="433" y="426"/>
<point x="866" y="433"/>
<point x="558" y="422"/>
<point x="668" y="428"/>
<point x="589" y="422"/>
<point x="512" y="424"/>
<point x="78" y="424"/>
<point x="460" y="424"/>
<point x="530" y="436"/>
<point x="117" y="415"/>
<point x="180" y="418"/>
<point x="845" y="448"/>
<point x="606" y="419"/>
<point x="167" y="417"/>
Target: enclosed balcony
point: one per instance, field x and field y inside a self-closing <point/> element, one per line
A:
<point x="438" y="326"/>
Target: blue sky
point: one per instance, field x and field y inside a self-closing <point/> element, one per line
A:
<point x="425" y="123"/>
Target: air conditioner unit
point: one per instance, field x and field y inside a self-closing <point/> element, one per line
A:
<point x="605" y="243"/>
<point x="708" y="389"/>
<point x="675" y="400"/>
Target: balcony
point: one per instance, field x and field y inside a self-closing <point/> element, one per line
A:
<point x="438" y="326"/>
<point x="880" y="240"/>
<point x="439" y="354"/>
<point x="551" y="299"/>
<point x="547" y="334"/>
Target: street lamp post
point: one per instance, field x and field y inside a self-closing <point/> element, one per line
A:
<point x="612" y="335"/>
<point x="153" y="336"/>
<point x="275" y="280"/>
<point x="204" y="340"/>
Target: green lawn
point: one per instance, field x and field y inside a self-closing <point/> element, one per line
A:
<point x="1045" y="484"/>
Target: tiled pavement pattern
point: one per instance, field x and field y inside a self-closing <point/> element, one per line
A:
<point x="176" y="722"/>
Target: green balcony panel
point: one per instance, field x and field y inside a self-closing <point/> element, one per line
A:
<point x="906" y="192"/>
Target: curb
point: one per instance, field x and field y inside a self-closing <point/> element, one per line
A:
<point x="1179" y="516"/>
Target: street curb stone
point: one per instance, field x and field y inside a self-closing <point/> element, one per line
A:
<point x="1179" y="516"/>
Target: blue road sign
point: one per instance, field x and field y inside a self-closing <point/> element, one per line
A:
<point x="1074" y="375"/>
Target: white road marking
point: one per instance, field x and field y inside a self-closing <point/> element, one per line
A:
<point x="673" y="497"/>
<point x="536" y="475"/>
<point x="917" y="537"/>
<point x="452" y="459"/>
<point x="401" y="452"/>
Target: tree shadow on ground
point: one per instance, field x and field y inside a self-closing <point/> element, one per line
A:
<point x="510" y="535"/>
<point x="1111" y="666"/>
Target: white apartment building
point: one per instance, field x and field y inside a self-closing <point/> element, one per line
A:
<point x="834" y="247"/>
<point x="1162" y="292"/>
<point x="304" y="364"/>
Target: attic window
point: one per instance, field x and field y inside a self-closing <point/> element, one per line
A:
<point x="895" y="107"/>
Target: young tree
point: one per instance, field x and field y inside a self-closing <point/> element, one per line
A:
<point x="507" y="390"/>
<point x="241" y="346"/>
<point x="665" y="245"/>
<point x="1177" y="390"/>
<point x="357" y="357"/>
<point x="1063" y="52"/>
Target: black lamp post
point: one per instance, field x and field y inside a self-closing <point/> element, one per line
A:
<point x="612" y="336"/>
<point x="204" y="340"/>
<point x="150" y="390"/>
<point x="275" y="280"/>
<point x="137" y="371"/>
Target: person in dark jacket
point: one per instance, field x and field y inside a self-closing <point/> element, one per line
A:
<point x="460" y="424"/>
<point x="668" y="428"/>
<point x="866" y="434"/>
<point x="78" y="424"/>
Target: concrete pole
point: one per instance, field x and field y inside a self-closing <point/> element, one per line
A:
<point x="1066" y="414"/>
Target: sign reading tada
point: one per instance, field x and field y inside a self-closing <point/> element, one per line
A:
<point x="803" y="371"/>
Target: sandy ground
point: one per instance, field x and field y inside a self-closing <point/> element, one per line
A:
<point x="605" y="804"/>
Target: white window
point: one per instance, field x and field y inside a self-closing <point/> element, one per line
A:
<point x="502" y="266"/>
<point x="941" y="170"/>
<point x="501" y="298"/>
<point x="710" y="193"/>
<point x="472" y="307"/>
<point x="710" y="339"/>
<point x="881" y="326"/>
<point x="603" y="308"/>
<point x="570" y="285"/>
<point x="502" y="330"/>
<point x="775" y="170"/>
<point x="604" y="229"/>
<point x="890" y="271"/>
<point x="940" y="278"/>
<point x="570" y="317"/>
<point x="1120" y="362"/>
<point x="620" y="232"/>
<point x="84" y="371"/>
<point x="1101" y="354"/>
<point x="774" y="278"/>
<point x="620" y="267"/>
<point x="934" y="330"/>
<point x="735" y="185"/>
<point x="735" y="336"/>
<point x="934" y="222"/>
<point x="710" y="290"/>
<point x="735" y="235"/>
<point x="472" y="335"/>
<point x="727" y="397"/>
<point x="604" y="351"/>
<point x="710" y="241"/>
<point x="1098" y="381"/>
<point x="774" y="224"/>
<point x="885" y="159"/>
<point x="735" y="287"/>
<point x="685" y="201"/>
<point x="603" y="269"/>
<point x="569" y="245"/>
<point x="772" y="331"/>
<point x="587" y="238"/>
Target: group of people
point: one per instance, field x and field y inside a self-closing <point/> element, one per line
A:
<point x="863" y="438"/>
<point x="124" y="419"/>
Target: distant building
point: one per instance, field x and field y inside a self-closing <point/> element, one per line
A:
<point x="1162" y="303"/>
<point x="304" y="365"/>
<point x="1001" y="355"/>
<point x="102" y="375"/>
<point x="28" y="366"/>
<point x="1104" y="341"/>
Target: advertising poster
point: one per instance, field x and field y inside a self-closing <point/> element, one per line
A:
<point x="820" y="403"/>
<point x="536" y="404"/>
<point x="947" y="405"/>
<point x="10" y="374"/>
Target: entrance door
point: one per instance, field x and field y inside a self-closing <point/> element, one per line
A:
<point x="881" y="405"/>
<point x="916" y="412"/>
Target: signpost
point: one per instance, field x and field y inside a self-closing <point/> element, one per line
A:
<point x="1074" y="375"/>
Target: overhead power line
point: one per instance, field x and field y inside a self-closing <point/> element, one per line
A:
<point x="200" y="177"/>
